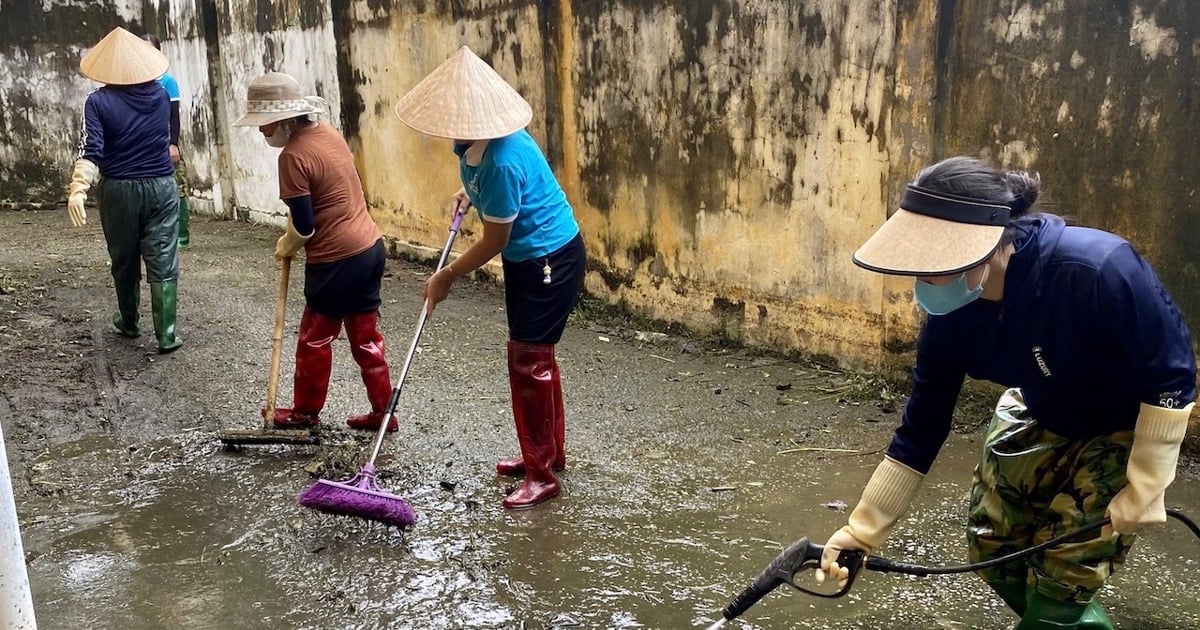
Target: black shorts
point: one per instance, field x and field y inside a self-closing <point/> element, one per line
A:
<point x="537" y="312"/>
<point x="347" y="286"/>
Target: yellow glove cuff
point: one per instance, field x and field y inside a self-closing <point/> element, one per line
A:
<point x="1159" y="424"/>
<point x="83" y="175"/>
<point x="290" y="242"/>
<point x="884" y="500"/>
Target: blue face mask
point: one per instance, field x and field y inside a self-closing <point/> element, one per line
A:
<point x="939" y="299"/>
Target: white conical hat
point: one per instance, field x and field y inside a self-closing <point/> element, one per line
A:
<point x="464" y="99"/>
<point x="122" y="58"/>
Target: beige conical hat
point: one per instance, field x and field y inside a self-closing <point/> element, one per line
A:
<point x="122" y="58"/>
<point x="464" y="99"/>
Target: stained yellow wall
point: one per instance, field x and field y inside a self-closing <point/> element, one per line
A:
<point x="723" y="161"/>
<point x="724" y="158"/>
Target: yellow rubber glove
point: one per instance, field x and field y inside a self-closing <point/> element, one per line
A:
<point x="83" y="176"/>
<point x="1151" y="468"/>
<point x="885" y="499"/>
<point x="290" y="242"/>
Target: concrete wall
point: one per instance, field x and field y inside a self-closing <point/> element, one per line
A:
<point x="42" y="92"/>
<point x="724" y="158"/>
<point x="252" y="38"/>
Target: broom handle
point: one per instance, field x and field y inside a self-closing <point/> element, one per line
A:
<point x="285" y="272"/>
<point x="394" y="401"/>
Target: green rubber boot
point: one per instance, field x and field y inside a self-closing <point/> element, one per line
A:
<point x="1042" y="612"/>
<point x="164" y="300"/>
<point x="1013" y="593"/>
<point x="125" y="320"/>
<point x="185" y="236"/>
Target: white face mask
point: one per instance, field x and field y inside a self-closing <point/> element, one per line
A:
<point x="280" y="137"/>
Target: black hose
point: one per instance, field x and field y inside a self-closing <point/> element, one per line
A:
<point x="803" y="554"/>
<point x="883" y="565"/>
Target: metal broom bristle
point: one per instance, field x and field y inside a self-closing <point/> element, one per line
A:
<point x="360" y="497"/>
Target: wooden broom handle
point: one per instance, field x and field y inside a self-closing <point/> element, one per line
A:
<point x="285" y="272"/>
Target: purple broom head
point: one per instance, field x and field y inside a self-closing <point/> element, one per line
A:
<point x="358" y="497"/>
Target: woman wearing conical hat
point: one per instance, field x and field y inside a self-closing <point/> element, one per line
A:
<point x="124" y="154"/>
<point x="344" y="250"/>
<point x="529" y="223"/>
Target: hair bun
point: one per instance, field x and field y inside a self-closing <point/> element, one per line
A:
<point x="1025" y="187"/>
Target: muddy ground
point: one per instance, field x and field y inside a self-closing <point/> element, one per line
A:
<point x="689" y="464"/>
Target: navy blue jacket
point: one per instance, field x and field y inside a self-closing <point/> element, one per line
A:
<point x="126" y="131"/>
<point x="1085" y="329"/>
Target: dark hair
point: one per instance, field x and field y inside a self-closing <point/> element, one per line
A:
<point x="153" y="39"/>
<point x="970" y="177"/>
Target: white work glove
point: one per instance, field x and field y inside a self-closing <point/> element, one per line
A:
<point x="290" y="242"/>
<point x="84" y="174"/>
<point x="884" y="500"/>
<point x="1151" y="468"/>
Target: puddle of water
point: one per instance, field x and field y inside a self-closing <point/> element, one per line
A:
<point x="209" y="539"/>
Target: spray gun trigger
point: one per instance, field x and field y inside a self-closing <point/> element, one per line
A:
<point x="851" y="559"/>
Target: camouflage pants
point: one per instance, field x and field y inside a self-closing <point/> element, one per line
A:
<point x="180" y="175"/>
<point x="1033" y="485"/>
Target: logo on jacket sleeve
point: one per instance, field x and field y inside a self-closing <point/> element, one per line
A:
<point x="1041" y="361"/>
<point x="1170" y="400"/>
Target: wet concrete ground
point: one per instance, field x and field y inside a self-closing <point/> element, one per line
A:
<point x="689" y="467"/>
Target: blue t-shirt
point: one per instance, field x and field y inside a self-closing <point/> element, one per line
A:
<point x="170" y="85"/>
<point x="126" y="131"/>
<point x="513" y="183"/>
<point x="1085" y="329"/>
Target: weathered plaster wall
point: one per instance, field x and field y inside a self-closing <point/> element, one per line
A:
<point x="215" y="47"/>
<point x="732" y="155"/>
<point x="724" y="158"/>
<point x="1104" y="102"/>
<point x="291" y="36"/>
<point x="410" y="178"/>
<point x="42" y="92"/>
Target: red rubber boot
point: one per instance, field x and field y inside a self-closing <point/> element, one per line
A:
<point x="367" y="347"/>
<point x="515" y="466"/>
<point x="531" y="377"/>
<point x="314" y="359"/>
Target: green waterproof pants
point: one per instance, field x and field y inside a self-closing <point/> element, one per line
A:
<point x="140" y="222"/>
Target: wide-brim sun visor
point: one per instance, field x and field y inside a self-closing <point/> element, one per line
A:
<point x="934" y="234"/>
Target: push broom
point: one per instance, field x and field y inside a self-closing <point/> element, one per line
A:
<point x="268" y="434"/>
<point x="360" y="496"/>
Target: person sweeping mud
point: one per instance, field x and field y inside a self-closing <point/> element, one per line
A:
<point x="1101" y="374"/>
<point x="124" y="153"/>
<point x="328" y="218"/>
<point x="528" y="221"/>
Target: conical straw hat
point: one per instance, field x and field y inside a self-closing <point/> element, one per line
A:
<point x="464" y="99"/>
<point x="122" y="58"/>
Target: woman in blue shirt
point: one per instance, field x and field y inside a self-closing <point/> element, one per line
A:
<point x="1100" y="371"/>
<point x="528" y="221"/>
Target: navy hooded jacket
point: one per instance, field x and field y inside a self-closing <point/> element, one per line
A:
<point x="1085" y="329"/>
<point x="126" y="131"/>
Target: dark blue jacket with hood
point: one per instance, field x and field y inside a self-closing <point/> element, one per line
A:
<point x="126" y="131"/>
<point x="1085" y="329"/>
